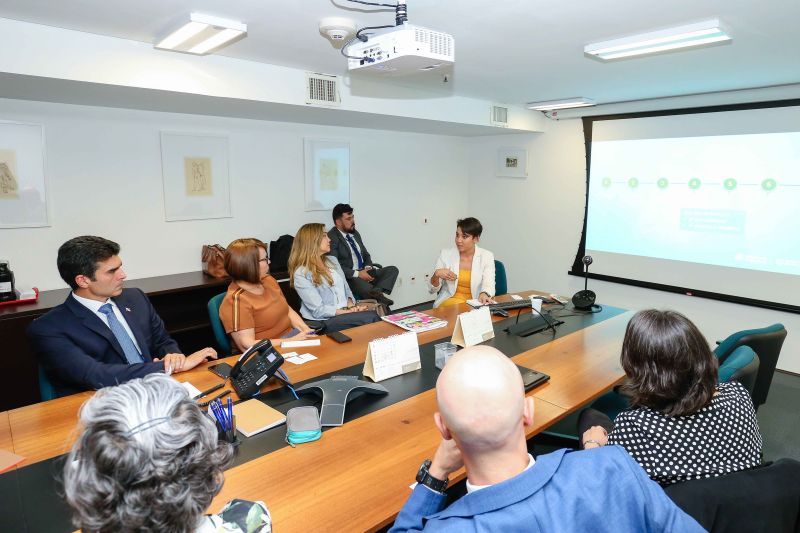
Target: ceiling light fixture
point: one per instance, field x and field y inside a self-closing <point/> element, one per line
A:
<point x="203" y="34"/>
<point x="565" y="103"/>
<point x="689" y="35"/>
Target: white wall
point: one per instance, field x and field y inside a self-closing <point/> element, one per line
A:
<point x="534" y="227"/>
<point x="104" y="178"/>
<point x="104" y="172"/>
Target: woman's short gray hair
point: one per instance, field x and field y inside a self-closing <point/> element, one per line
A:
<point x="148" y="459"/>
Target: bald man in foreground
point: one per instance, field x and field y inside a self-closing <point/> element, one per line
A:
<point x="483" y="413"/>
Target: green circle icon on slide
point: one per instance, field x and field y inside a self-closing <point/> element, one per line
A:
<point x="769" y="184"/>
<point x="729" y="184"/>
<point x="606" y="182"/>
<point x="694" y="183"/>
<point x="662" y="183"/>
<point x="633" y="183"/>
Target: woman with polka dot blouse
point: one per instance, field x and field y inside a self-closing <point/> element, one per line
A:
<point x="681" y="424"/>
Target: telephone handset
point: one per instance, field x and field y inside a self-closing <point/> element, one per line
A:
<point x="254" y="367"/>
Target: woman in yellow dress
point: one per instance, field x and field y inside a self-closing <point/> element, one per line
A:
<point x="465" y="272"/>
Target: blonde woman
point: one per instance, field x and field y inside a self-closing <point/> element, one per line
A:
<point x="321" y="285"/>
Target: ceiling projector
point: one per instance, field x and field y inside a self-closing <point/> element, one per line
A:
<point x="403" y="49"/>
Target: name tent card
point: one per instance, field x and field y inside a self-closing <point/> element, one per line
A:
<point x="392" y="356"/>
<point x="473" y="327"/>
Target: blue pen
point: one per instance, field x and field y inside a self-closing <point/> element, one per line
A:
<point x="219" y="415"/>
<point x="221" y="411"/>
<point x="230" y="413"/>
<point x="215" y="412"/>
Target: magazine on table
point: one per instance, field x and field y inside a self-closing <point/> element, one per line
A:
<point x="415" y="321"/>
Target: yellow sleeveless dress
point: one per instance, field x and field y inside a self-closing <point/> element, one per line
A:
<point x="463" y="291"/>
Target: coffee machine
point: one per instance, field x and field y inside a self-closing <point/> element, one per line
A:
<point x="7" y="292"/>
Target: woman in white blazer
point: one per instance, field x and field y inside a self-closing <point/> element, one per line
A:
<point x="466" y="271"/>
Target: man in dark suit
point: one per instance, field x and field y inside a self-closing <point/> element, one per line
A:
<point x="102" y="334"/>
<point x="366" y="279"/>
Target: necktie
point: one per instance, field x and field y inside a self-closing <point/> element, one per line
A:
<point x="128" y="347"/>
<point x="355" y="251"/>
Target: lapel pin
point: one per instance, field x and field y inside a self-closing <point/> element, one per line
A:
<point x="128" y="309"/>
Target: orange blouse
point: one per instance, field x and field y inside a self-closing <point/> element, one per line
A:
<point x="267" y="313"/>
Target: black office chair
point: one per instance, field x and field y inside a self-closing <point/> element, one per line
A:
<point x="767" y="343"/>
<point x="765" y="499"/>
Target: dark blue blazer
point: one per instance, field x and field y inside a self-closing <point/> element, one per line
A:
<point x="78" y="351"/>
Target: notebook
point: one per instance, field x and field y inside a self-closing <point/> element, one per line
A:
<point x="254" y="416"/>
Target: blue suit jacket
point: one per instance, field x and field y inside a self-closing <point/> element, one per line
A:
<point x="594" y="490"/>
<point x="79" y="352"/>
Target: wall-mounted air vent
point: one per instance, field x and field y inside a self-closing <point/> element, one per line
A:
<point x="322" y="89"/>
<point x="499" y="116"/>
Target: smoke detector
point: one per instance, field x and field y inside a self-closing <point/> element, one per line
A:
<point x="338" y="30"/>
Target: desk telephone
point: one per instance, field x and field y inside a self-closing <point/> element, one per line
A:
<point x="254" y="367"/>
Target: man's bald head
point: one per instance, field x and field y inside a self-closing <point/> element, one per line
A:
<point x="481" y="396"/>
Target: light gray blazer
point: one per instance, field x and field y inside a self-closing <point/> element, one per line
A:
<point x="320" y="302"/>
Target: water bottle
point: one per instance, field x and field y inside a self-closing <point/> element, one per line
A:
<point x="6" y="282"/>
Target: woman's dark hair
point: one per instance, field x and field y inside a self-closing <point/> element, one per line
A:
<point x="79" y="256"/>
<point x="470" y="226"/>
<point x="242" y="260"/>
<point x="668" y="362"/>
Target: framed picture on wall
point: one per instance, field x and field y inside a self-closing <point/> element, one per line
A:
<point x="327" y="173"/>
<point x="23" y="189"/>
<point x="194" y="168"/>
<point x="512" y="162"/>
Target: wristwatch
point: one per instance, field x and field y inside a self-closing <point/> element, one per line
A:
<point x="424" y="477"/>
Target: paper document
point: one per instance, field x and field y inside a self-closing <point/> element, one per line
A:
<point x="300" y="344"/>
<point x="191" y="389"/>
<point x="299" y="359"/>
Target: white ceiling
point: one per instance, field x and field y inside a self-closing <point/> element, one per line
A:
<point x="508" y="51"/>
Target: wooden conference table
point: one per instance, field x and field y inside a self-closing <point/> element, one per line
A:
<point x="357" y="477"/>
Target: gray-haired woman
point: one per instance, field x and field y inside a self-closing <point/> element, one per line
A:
<point x="148" y="459"/>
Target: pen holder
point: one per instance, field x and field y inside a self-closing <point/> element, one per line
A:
<point x="443" y="352"/>
<point x="228" y="436"/>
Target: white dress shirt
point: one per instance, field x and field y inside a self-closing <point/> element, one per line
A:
<point x="473" y="488"/>
<point x="94" y="306"/>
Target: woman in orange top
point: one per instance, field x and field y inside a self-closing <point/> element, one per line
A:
<point x="465" y="272"/>
<point x="254" y="307"/>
